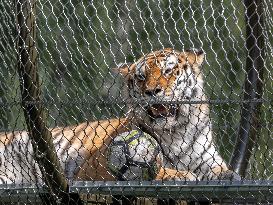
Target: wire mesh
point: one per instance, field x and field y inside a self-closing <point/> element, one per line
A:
<point x="102" y="133"/>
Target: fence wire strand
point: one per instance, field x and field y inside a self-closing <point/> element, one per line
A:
<point x="144" y="101"/>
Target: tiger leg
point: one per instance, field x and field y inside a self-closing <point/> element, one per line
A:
<point x="222" y="172"/>
<point x="172" y="174"/>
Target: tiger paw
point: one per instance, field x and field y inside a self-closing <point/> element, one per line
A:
<point x="172" y="174"/>
<point x="229" y="175"/>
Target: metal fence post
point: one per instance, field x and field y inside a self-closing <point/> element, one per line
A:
<point x="253" y="87"/>
<point x="43" y="147"/>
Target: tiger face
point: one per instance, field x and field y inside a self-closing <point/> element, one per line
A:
<point x="161" y="78"/>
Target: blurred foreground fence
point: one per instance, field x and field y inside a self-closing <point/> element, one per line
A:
<point x="56" y="71"/>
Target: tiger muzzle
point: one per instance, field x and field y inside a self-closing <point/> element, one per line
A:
<point x="156" y="111"/>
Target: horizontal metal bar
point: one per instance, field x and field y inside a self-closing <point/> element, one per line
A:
<point x="200" y="190"/>
<point x="140" y="102"/>
<point x="258" y="190"/>
<point x="135" y="184"/>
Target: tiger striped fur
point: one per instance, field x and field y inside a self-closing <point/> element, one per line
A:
<point x="183" y="130"/>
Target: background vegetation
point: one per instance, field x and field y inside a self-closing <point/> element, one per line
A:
<point x="79" y="42"/>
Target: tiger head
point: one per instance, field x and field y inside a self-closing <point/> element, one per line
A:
<point x="161" y="79"/>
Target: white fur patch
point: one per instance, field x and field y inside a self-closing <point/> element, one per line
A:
<point x="171" y="61"/>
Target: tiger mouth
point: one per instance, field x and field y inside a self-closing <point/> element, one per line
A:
<point x="157" y="111"/>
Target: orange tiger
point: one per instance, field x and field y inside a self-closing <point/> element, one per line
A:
<point x="182" y="130"/>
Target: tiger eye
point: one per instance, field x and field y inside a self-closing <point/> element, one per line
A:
<point x="168" y="71"/>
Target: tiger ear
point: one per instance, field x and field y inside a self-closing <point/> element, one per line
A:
<point x="124" y="69"/>
<point x="195" y="56"/>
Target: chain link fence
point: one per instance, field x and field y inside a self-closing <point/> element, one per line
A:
<point x="75" y="131"/>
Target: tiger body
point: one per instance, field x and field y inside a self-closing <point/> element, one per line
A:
<point x="182" y="130"/>
<point x="75" y="146"/>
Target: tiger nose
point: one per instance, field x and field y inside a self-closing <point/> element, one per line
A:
<point x="153" y="92"/>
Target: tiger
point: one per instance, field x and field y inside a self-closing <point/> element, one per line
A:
<point x="162" y="80"/>
<point x="182" y="130"/>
